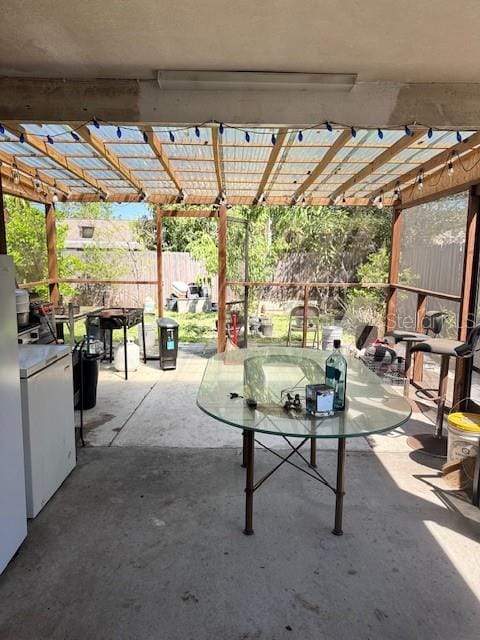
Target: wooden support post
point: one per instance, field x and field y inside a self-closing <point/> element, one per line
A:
<point x="159" y="220"/>
<point x="3" y="230"/>
<point x="305" y="316"/>
<point x="468" y="295"/>
<point x="222" y="279"/>
<point x="420" y="315"/>
<point x="51" y="228"/>
<point x="391" y="305"/>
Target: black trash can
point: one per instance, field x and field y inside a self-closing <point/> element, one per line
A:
<point x="168" y="342"/>
<point x="85" y="369"/>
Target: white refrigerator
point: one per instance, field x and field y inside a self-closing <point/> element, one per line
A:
<point x="46" y="381"/>
<point x="13" y="519"/>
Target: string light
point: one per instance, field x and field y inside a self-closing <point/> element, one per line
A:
<point x="119" y="133"/>
<point x="328" y="127"/>
<point x="380" y="134"/>
<point x="15" y="175"/>
<point x="55" y="197"/>
<point x="274" y="139"/>
<point x="37" y="185"/>
<point x="2" y="128"/>
<point x="459" y="136"/>
<point x="221" y="128"/>
<point x="21" y="138"/>
<point x="197" y="132"/>
<point x="95" y="123"/>
<point x="420" y="180"/>
<point x="430" y="133"/>
<point x="380" y="201"/>
<point x="353" y="131"/>
<point x="75" y="136"/>
<point x="145" y="137"/>
<point x="171" y="136"/>
<point x="396" y="191"/>
<point x="300" y="136"/>
<point x="49" y="139"/>
<point x="344" y="200"/>
<point x="247" y="136"/>
<point x="450" y="168"/>
<point x="408" y="131"/>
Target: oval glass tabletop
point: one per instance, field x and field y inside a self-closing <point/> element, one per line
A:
<point x="264" y="373"/>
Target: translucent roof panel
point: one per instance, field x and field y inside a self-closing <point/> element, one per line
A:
<point x="140" y="150"/>
<point x="141" y="163"/>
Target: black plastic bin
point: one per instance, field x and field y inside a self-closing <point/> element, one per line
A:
<point x="168" y="342"/>
<point x="88" y="370"/>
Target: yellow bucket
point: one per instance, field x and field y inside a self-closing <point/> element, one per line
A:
<point x="463" y="435"/>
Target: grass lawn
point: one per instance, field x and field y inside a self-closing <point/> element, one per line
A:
<point x="200" y="327"/>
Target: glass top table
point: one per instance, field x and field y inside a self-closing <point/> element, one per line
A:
<point x="263" y="374"/>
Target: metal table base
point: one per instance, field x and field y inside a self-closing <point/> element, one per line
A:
<point x="248" y="461"/>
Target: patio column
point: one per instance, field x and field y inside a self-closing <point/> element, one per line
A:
<point x="468" y="302"/>
<point x="50" y="223"/>
<point x="159" y="262"/>
<point x="391" y="304"/>
<point x="3" y="231"/>
<point x="222" y="278"/>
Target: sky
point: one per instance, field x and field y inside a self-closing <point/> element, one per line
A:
<point x="130" y="210"/>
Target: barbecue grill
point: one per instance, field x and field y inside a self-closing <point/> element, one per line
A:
<point x="108" y="320"/>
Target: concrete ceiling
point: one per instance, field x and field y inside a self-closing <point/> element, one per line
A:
<point x="392" y="40"/>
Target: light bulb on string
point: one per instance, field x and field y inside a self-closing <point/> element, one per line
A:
<point x="430" y="133"/>
<point x="119" y="133"/>
<point x="274" y="139"/>
<point x="300" y="136"/>
<point x="420" y="181"/>
<point x="21" y="138"/>
<point x="145" y="137"/>
<point x="221" y="129"/>
<point x="37" y="185"/>
<point x="380" y="134"/>
<point x="15" y="176"/>
<point x="408" y="131"/>
<point x="55" y="196"/>
<point x="95" y="123"/>
<point x="344" y="200"/>
<point x="380" y="201"/>
<point x="75" y="136"/>
<point x="247" y="136"/>
<point x="450" y="168"/>
<point x="353" y="131"/>
<point x="171" y="136"/>
<point x="2" y="128"/>
<point x="459" y="136"/>
<point x="49" y="139"/>
<point x="396" y="191"/>
<point x="197" y="132"/>
<point x="328" y="126"/>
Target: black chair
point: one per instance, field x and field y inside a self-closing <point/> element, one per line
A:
<point x="433" y="322"/>
<point x="436" y="443"/>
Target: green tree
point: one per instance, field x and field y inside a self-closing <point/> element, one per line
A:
<point x="27" y="244"/>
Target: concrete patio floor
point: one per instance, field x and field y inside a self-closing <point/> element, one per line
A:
<point x="144" y="539"/>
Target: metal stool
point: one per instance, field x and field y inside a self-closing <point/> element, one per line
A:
<point x="436" y="444"/>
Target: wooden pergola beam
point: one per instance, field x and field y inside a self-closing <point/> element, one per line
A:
<point x="23" y="189"/>
<point x="218" y="160"/>
<point x="441" y="183"/>
<point x="102" y="149"/>
<point x="49" y="150"/>
<point x="166" y="199"/>
<point x="52" y="260"/>
<point x="403" y="143"/>
<point x="272" y="159"/>
<point x="429" y="165"/>
<point x="3" y="229"/>
<point x="329" y="155"/>
<point x="12" y="163"/>
<point x="157" y="148"/>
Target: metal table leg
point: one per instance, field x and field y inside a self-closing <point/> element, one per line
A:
<point x="408" y="367"/>
<point x="244" y="448"/>
<point x="125" y="350"/>
<point x="313" y="452"/>
<point x="143" y="338"/>
<point x="476" y="483"/>
<point x="249" y="487"/>
<point x="340" y="487"/>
